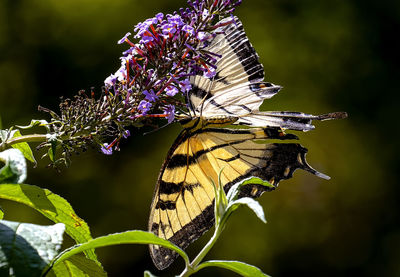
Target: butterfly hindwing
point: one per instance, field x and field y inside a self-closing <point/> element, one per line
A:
<point x="182" y="208"/>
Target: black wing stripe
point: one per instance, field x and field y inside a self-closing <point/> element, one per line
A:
<point x="181" y="160"/>
<point x="221" y="107"/>
<point x="198" y="93"/>
<point x="170" y="187"/>
<point x="244" y="50"/>
<point x="237" y="156"/>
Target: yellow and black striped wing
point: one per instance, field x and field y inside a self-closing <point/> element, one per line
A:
<point x="182" y="207"/>
<point x="238" y="86"/>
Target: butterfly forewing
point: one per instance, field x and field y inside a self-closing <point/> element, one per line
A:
<point x="239" y="76"/>
<point x="238" y="88"/>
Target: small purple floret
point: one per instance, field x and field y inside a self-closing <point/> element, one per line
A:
<point x="160" y="17"/>
<point x="188" y="29"/>
<point x="170" y="112"/>
<point x="168" y="29"/>
<point x="110" y="80"/>
<point x="185" y="85"/>
<point x="150" y="95"/>
<point x="106" y="150"/>
<point x="175" y="19"/>
<point x="210" y="73"/>
<point x="126" y="134"/>
<point x="144" y="106"/>
<point x="122" y="40"/>
<point x="171" y="91"/>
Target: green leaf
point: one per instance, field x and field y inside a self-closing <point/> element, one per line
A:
<point x="235" y="266"/>
<point x="24" y="148"/>
<point x="6" y="175"/>
<point x="129" y="237"/>
<point x="35" y="122"/>
<point x="1" y="213"/>
<point x="52" y="150"/>
<point x="148" y="274"/>
<point x="26" y="249"/>
<point x="77" y="266"/>
<point x="251" y="203"/>
<point x="235" y="189"/>
<point x="14" y="170"/>
<point x="51" y="153"/>
<point x="221" y="202"/>
<point x="53" y="207"/>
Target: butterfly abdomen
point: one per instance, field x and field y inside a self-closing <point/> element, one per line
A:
<point x="200" y="122"/>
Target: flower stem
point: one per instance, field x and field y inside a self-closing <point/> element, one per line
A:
<point x="26" y="138"/>
<point x="192" y="268"/>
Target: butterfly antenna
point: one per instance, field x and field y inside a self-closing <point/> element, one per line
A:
<point x="158" y="128"/>
<point x="335" y="115"/>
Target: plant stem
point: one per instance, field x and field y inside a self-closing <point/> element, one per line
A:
<point x="26" y="138"/>
<point x="192" y="268"/>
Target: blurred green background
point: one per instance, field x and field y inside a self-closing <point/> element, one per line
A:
<point x="328" y="55"/>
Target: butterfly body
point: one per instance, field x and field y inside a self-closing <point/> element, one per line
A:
<point x="200" y="122"/>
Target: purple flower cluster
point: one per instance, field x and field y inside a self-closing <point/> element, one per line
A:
<point x="152" y="81"/>
<point x="169" y="50"/>
<point x="153" y="78"/>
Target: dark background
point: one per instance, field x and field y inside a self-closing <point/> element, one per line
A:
<point x="328" y="56"/>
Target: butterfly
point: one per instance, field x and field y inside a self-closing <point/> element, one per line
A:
<point x="182" y="206"/>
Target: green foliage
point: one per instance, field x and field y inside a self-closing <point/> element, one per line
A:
<point x="34" y="123"/>
<point x="129" y="237"/>
<point x="53" y="147"/>
<point x="233" y="192"/>
<point x="225" y="209"/>
<point x="53" y="207"/>
<point x="235" y="266"/>
<point x="251" y="203"/>
<point x="234" y="202"/>
<point x="148" y="274"/>
<point x="25" y="249"/>
<point x="77" y="266"/>
<point x="20" y="256"/>
<point x="23" y="147"/>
